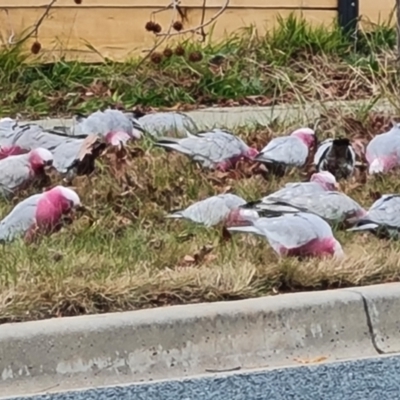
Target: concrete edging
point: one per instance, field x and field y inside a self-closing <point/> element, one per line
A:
<point x="177" y="341"/>
<point x="234" y="117"/>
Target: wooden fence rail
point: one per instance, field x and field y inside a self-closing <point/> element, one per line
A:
<point x="115" y="28"/>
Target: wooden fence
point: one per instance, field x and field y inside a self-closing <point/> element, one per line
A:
<point x="116" y="28"/>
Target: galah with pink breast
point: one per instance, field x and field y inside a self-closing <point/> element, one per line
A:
<point x="38" y="214"/>
<point x="17" y="172"/>
<point x="383" y="151"/>
<point x="216" y="149"/>
<point x="300" y="234"/>
<point x="288" y="151"/>
<point x="216" y="209"/>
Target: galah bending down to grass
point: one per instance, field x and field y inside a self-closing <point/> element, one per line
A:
<point x="288" y="151"/>
<point x="300" y="234"/>
<point x="72" y="155"/>
<point x="383" y="151"/>
<point x="336" y="156"/>
<point x="174" y="124"/>
<point x="16" y="172"/>
<point x="319" y="182"/>
<point x="38" y="214"/>
<point x="116" y="127"/>
<point x="216" y="209"/>
<point x="383" y="217"/>
<point x="332" y="206"/>
<point x="216" y="149"/>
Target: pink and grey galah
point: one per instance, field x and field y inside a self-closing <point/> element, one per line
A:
<point x="332" y="206"/>
<point x="38" y="214"/>
<point x="382" y="218"/>
<point x="66" y="150"/>
<point x="319" y="182"/>
<point x="116" y="127"/>
<point x="300" y="234"/>
<point x="17" y="172"/>
<point x="223" y="208"/>
<point x="216" y="149"/>
<point x="383" y="151"/>
<point x="289" y="151"/>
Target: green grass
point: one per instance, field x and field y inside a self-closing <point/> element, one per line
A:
<point x="122" y="253"/>
<point x="284" y="65"/>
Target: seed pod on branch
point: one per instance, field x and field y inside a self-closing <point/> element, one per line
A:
<point x="168" y="52"/>
<point x="36" y="47"/>
<point x="157" y="28"/>
<point x="177" y="25"/>
<point x="195" y="56"/>
<point x="150" y="26"/>
<point x="156" y="57"/>
<point x="179" y="51"/>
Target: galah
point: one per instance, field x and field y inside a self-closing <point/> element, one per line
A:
<point x="288" y="151"/>
<point x="113" y="125"/>
<point x="175" y="124"/>
<point x="40" y="213"/>
<point x="383" y="217"/>
<point x="300" y="234"/>
<point x="336" y="156"/>
<point x="319" y="182"/>
<point x="216" y="209"/>
<point x="72" y="155"/>
<point x="383" y="151"/>
<point x="16" y="172"/>
<point x="332" y="206"/>
<point x="216" y="149"/>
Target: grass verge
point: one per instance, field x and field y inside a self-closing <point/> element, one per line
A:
<point x="292" y="63"/>
<point x="125" y="255"/>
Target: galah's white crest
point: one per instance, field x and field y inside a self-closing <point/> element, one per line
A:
<point x="40" y="213"/>
<point x="216" y="149"/>
<point x="216" y="209"/>
<point x="300" y="234"/>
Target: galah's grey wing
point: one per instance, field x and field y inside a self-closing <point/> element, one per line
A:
<point x="20" y="219"/>
<point x="331" y="206"/>
<point x="35" y="136"/>
<point x="385" y="211"/>
<point x="290" y="231"/>
<point x="383" y="145"/>
<point x="65" y="155"/>
<point x="286" y="150"/>
<point x="232" y="201"/>
<point x="292" y="190"/>
<point x="119" y="122"/>
<point x="209" y="212"/>
<point x="96" y="123"/>
<point x="168" y="124"/>
<point x="14" y="172"/>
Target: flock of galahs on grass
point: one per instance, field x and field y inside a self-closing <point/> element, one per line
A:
<point x="296" y="220"/>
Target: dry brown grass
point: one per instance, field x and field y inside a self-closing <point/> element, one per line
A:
<point x="123" y="254"/>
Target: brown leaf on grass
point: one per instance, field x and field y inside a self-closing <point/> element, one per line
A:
<point x="88" y="145"/>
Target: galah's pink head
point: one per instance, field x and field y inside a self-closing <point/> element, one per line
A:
<point x="65" y="198"/>
<point x="39" y="158"/>
<point x="251" y="153"/>
<point x="306" y="135"/>
<point x="118" y="139"/>
<point x="325" y="179"/>
<point x="241" y="216"/>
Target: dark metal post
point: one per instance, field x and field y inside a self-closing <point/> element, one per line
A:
<point x="348" y="15"/>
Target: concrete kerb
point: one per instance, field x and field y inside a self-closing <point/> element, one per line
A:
<point x="178" y="341"/>
<point x="234" y="117"/>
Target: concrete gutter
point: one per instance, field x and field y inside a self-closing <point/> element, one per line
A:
<point x="177" y="341"/>
<point x="234" y="117"/>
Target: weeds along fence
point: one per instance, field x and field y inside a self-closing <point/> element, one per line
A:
<point x="94" y="30"/>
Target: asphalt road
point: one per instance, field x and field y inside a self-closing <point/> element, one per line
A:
<point x="368" y="379"/>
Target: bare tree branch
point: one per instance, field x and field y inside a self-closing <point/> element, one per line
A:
<point x="34" y="30"/>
